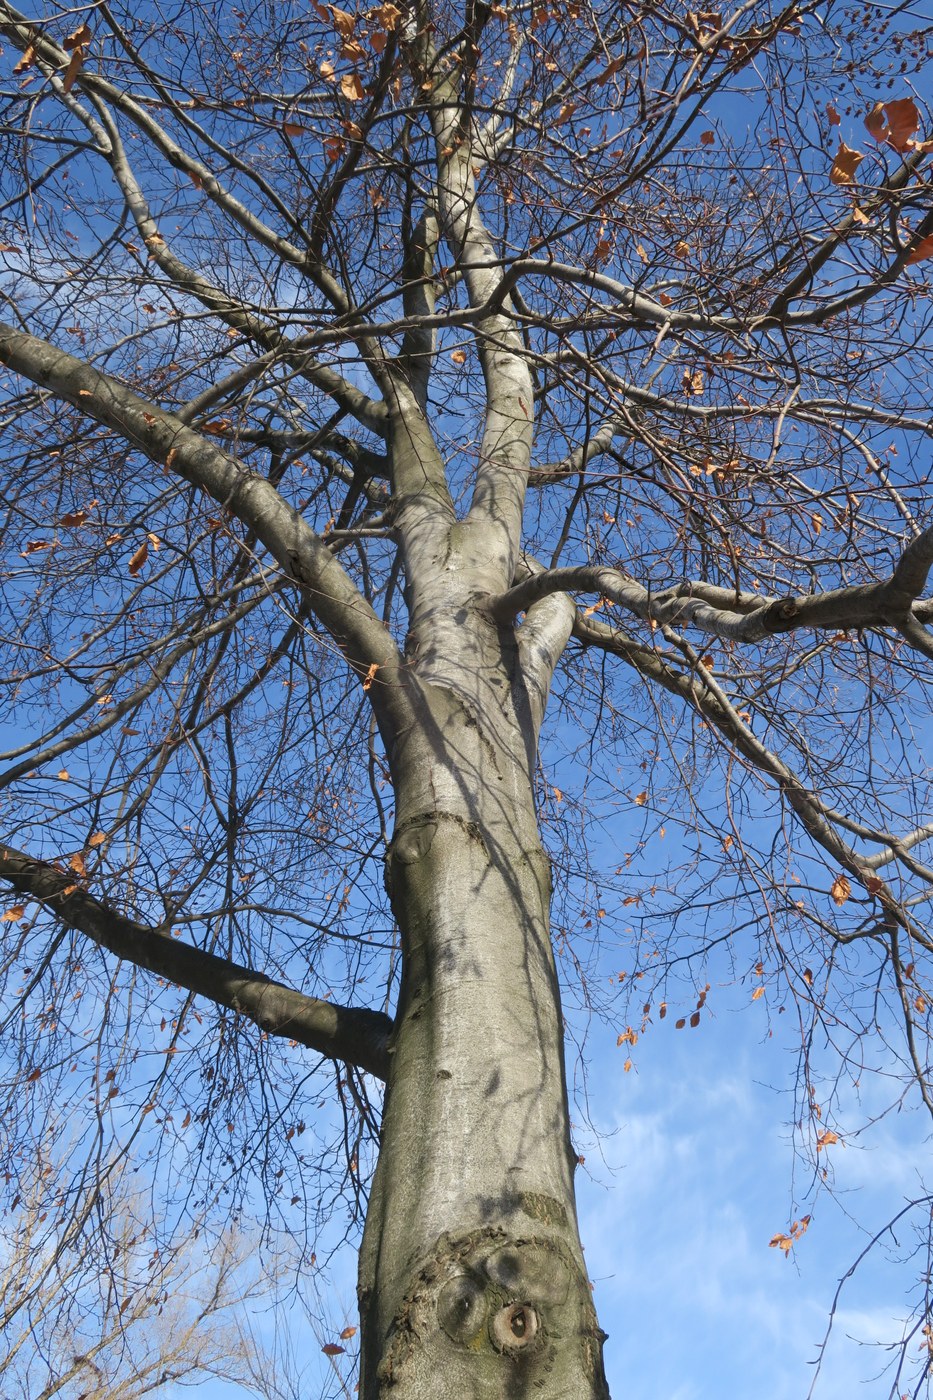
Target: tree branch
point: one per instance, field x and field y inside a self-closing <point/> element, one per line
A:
<point x="700" y="690"/>
<point x="229" y="308"/>
<point x="354" y="1034"/>
<point x="746" y="618"/>
<point x="253" y="499"/>
<point x="418" y="295"/>
<point x="801" y="283"/>
<point x="505" y="453"/>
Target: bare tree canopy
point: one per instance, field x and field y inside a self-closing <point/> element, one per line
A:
<point x="122" y="1322"/>
<point x="435" y="437"/>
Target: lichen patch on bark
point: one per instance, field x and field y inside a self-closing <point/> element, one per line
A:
<point x="543" y="1208"/>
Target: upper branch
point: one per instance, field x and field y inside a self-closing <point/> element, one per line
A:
<point x="54" y="58"/>
<point x="418" y="293"/>
<point x="803" y="280"/>
<point x="542" y="638"/>
<point x="97" y="117"/>
<point x="698" y="687"/>
<point x="505" y="451"/>
<point x="743" y="617"/>
<point x="331" y="593"/>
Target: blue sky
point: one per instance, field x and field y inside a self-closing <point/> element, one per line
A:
<point x="696" y="1303"/>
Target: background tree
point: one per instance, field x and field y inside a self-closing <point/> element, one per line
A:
<point x="122" y="1319"/>
<point x="371" y="373"/>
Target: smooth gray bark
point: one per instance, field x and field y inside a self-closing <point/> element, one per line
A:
<point x="471" y="1267"/>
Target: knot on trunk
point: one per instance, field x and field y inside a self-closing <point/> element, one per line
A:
<point x="486" y="1308"/>
<point x="413" y="839"/>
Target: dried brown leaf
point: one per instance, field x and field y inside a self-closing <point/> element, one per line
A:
<point x="893" y="123"/>
<point x="841" y="889"/>
<point x="80" y="39"/>
<point x="139" y="559"/>
<point x="344" y="22"/>
<point x="351" y="87"/>
<point x="75" y="64"/>
<point x="72" y="519"/>
<point x="387" y="15"/>
<point x="923" y="250"/>
<point x="846" y="162"/>
<point x="27" y="60"/>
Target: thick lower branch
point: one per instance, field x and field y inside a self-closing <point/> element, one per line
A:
<point x="354" y="1034"/>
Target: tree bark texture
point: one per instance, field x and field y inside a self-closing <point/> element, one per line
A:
<point x="472" y="1280"/>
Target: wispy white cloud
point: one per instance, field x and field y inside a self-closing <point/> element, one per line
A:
<point x="698" y="1177"/>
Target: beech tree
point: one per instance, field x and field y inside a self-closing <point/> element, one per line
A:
<point x="430" y="428"/>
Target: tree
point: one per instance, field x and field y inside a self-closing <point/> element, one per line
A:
<point x="123" y="1320"/>
<point x="373" y="373"/>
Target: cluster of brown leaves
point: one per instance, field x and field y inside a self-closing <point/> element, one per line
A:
<point x="76" y="45"/>
<point x="787" y="1242"/>
<point x="893" y="123"/>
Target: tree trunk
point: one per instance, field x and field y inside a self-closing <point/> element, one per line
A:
<point x="472" y="1281"/>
